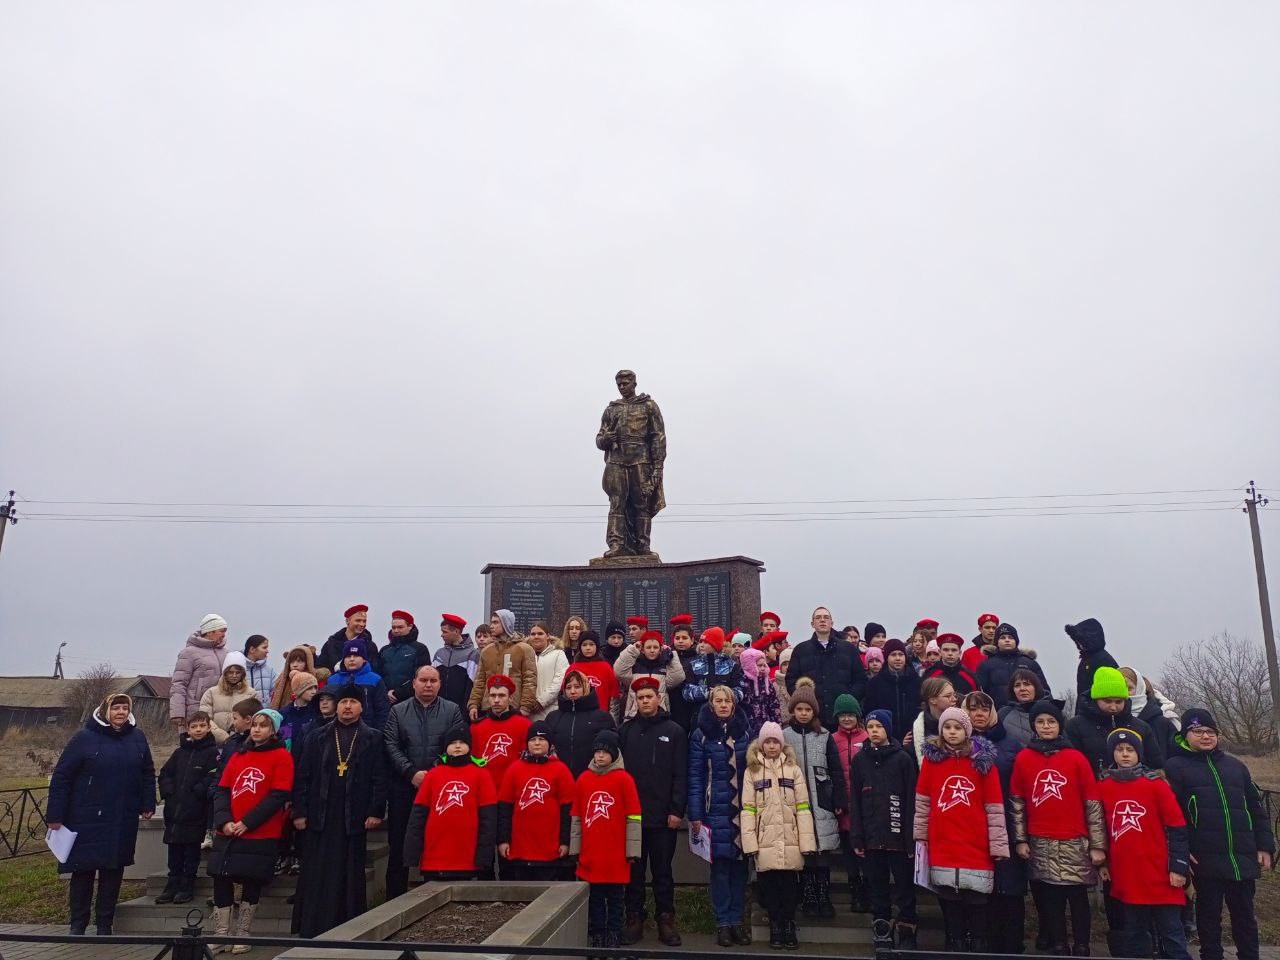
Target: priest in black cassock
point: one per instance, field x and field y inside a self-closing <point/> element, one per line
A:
<point x="339" y="793"/>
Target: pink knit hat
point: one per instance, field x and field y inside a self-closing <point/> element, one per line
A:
<point x="874" y="653"/>
<point x="959" y="716"/>
<point x="771" y="731"/>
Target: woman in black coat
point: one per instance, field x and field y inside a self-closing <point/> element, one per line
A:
<point x="575" y="724"/>
<point x="104" y="781"/>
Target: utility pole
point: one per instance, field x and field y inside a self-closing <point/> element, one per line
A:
<point x="57" y="663"/>
<point x="1264" y="598"/>
<point x="7" y="516"/>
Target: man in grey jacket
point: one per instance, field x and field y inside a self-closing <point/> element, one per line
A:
<point x="414" y="736"/>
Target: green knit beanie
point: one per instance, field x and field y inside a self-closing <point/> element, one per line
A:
<point x="848" y="703"/>
<point x="1108" y="682"/>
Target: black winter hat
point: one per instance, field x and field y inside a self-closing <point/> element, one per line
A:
<point x="872" y="629"/>
<point x="614" y="627"/>
<point x="591" y="635"/>
<point x="353" y="691"/>
<point x="1198" y="717"/>
<point x="1008" y="630"/>
<point x="1087" y="634"/>
<point x="1123" y="735"/>
<point x="893" y="646"/>
<point x="1051" y="708"/>
<point x="459" y="731"/>
<point x="538" y="728"/>
<point x="606" y="740"/>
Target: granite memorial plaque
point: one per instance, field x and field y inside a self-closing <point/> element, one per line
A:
<point x="592" y="600"/>
<point x="710" y="601"/>
<point x="528" y="599"/>
<point x="648" y="597"/>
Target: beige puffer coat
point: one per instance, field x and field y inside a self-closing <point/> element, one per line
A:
<point x="218" y="704"/>
<point x="777" y="823"/>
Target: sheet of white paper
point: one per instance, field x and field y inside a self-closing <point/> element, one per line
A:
<point x="61" y="841"/>
<point x="700" y="845"/>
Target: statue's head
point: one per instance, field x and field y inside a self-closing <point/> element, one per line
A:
<point x="626" y="381"/>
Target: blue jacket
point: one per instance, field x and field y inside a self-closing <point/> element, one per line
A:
<point x="717" y="767"/>
<point x="375" y="714"/>
<point x="711" y="670"/>
<point x="104" y="780"/>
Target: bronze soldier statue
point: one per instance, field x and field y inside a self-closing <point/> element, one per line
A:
<point x="634" y="441"/>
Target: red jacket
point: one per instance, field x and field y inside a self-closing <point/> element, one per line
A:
<point x="533" y="801"/>
<point x="1055" y="789"/>
<point x="972" y="658"/>
<point x="960" y="808"/>
<point x="600" y="675"/>
<point x="499" y="742"/>
<point x="606" y="824"/>
<point x="458" y="801"/>
<point x="252" y="774"/>
<point x="1148" y="839"/>
<point x="847" y="745"/>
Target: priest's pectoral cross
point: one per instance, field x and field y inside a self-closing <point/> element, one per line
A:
<point x="342" y="768"/>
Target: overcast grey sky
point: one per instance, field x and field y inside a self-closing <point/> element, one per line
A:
<point x="394" y="253"/>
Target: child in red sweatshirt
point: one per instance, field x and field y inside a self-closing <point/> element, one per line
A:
<point x="499" y="733"/>
<point x="1150" y="854"/>
<point x="961" y="826"/>
<point x="1058" y="827"/>
<point x="606" y="837"/>
<point x="534" y="809"/>
<point x="455" y="815"/>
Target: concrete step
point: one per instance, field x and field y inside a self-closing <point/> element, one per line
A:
<point x="808" y="932"/>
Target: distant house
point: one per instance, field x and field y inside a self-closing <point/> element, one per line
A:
<point x="39" y="701"/>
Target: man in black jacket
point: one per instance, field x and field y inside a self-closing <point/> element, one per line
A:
<point x="654" y="751"/>
<point x="831" y="663"/>
<point x="402" y="656"/>
<point x="414" y="738"/>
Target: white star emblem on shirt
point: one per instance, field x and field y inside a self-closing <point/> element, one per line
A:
<point x="451" y="795"/>
<point x="598" y="806"/>
<point x="1126" y="816"/>
<point x="497" y="746"/>
<point x="955" y="792"/>
<point x="248" y="782"/>
<point x="534" y="791"/>
<point x="1048" y="784"/>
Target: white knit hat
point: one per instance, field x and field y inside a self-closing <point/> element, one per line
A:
<point x="212" y="622"/>
<point x="235" y="659"/>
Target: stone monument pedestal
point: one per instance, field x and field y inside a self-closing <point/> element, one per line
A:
<point x="718" y="593"/>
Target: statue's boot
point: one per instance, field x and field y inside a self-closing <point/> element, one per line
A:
<point x="615" y="535"/>
<point x="644" y="527"/>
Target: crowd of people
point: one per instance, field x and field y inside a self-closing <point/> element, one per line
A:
<point x="931" y="763"/>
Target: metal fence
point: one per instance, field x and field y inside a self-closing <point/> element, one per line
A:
<point x="22" y="823"/>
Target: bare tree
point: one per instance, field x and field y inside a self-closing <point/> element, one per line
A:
<point x="89" y="689"/>
<point x="1228" y="676"/>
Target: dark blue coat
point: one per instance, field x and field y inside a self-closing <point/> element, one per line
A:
<point x="104" y="780"/>
<point x="1011" y="874"/>
<point x="717" y="766"/>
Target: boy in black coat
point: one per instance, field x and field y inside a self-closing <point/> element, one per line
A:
<point x="1091" y="643"/>
<point x="1105" y="711"/>
<point x="883" y="787"/>
<point x="184" y="789"/>
<point x="1230" y="835"/>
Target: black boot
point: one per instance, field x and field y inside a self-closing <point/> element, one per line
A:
<point x="742" y="935"/>
<point x="186" y="890"/>
<point x="823" y="896"/>
<point x="906" y="935"/>
<point x="808" y="894"/>
<point x="169" y="892"/>
<point x="858" y="898"/>
<point x="724" y="936"/>
<point x="789" y="938"/>
<point x="775" y="934"/>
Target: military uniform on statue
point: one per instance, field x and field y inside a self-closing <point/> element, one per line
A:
<point x="340" y="793"/>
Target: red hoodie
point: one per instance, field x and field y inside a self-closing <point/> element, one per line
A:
<point x="1138" y="812"/>
<point x="252" y="774"/>
<point x="499" y="742"/>
<point x="454" y="795"/>
<point x="606" y="819"/>
<point x="1055" y="789"/>
<point x="536" y="792"/>
<point x="601" y="677"/>
<point x="960" y="808"/>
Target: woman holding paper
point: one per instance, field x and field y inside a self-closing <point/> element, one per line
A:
<point x="104" y="781"/>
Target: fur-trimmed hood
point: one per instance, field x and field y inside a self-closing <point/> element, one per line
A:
<point x="979" y="749"/>
<point x="755" y="755"/>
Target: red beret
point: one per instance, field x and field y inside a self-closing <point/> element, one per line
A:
<point x="637" y="621"/>
<point x="454" y="619"/>
<point x="352" y="611"/>
<point x="950" y="638"/>
<point x="988" y="618"/>
<point x="652" y="635"/>
<point x="404" y="615"/>
<point x="682" y="620"/>
<point x="713" y="636"/>
<point x="927" y="623"/>
<point x="646" y="681"/>
<point x="776" y="636"/>
<point x="770" y="615"/>
<point x="501" y="680"/>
